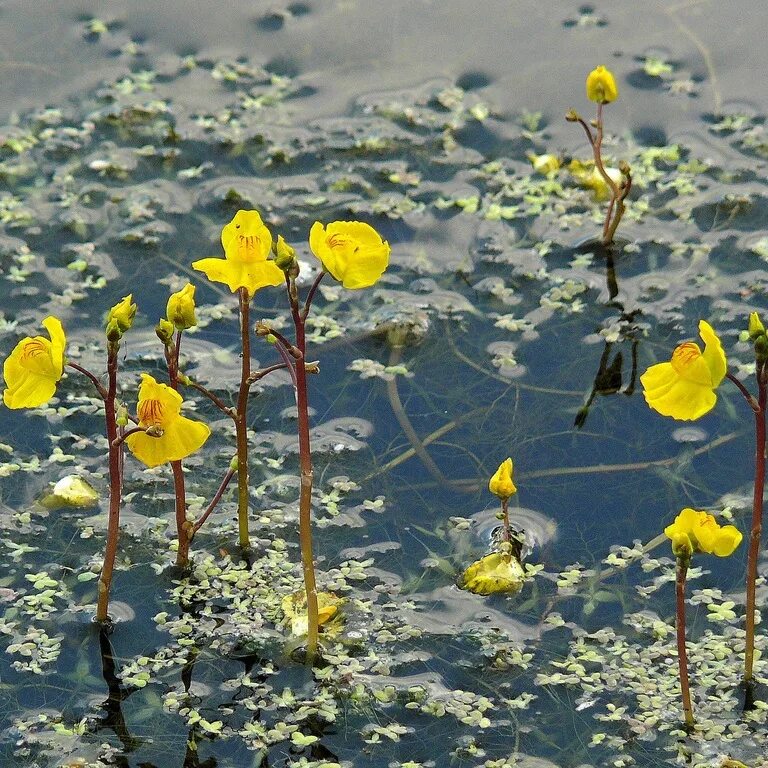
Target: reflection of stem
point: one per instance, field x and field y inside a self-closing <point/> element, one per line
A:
<point x="114" y="718"/>
<point x="115" y="450"/>
<point x="757" y="526"/>
<point x="682" y="653"/>
<point x="305" y="463"/>
<point x="241" y="427"/>
<point x="405" y="423"/>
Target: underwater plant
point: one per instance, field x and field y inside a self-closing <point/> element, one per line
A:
<point x="684" y="389"/>
<point x="601" y="89"/>
<point x="694" y="531"/>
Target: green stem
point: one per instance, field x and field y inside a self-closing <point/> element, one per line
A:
<point x="757" y="525"/>
<point x="115" y="486"/>
<point x="241" y="427"/>
<point x="305" y="464"/>
<point x="682" y="653"/>
<point x="505" y="518"/>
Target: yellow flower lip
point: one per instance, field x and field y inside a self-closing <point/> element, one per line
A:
<point x="34" y="367"/>
<point x="494" y="573"/>
<point x="695" y="531"/>
<point x="352" y="252"/>
<point x="170" y="436"/>
<point x="601" y="85"/>
<point x="684" y="388"/>
<point x="247" y="244"/>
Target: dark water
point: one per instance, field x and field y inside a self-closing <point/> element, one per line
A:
<point x="127" y="147"/>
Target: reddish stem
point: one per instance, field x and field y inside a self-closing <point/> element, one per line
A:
<point x="241" y="428"/>
<point x="305" y="464"/>
<point x="115" y="450"/>
<point x="214" y="501"/>
<point x="757" y="524"/>
<point x="682" y="653"/>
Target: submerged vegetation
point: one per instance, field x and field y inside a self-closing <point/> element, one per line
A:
<point x="217" y="641"/>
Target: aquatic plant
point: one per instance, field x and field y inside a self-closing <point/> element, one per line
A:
<point x="691" y="532"/>
<point x="602" y="89"/>
<point x="684" y="388"/>
<point x="501" y="570"/>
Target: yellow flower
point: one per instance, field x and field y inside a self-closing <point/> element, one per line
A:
<point x="180" y="309"/>
<point x="176" y="436"/>
<point x="497" y="572"/>
<point x="35" y="366"/>
<point x="247" y="244"/>
<point x="684" y="388"/>
<point x="699" y="532"/>
<point x="352" y="251"/>
<point x="587" y="175"/>
<point x="120" y="318"/>
<point x="501" y="484"/>
<point x="601" y="86"/>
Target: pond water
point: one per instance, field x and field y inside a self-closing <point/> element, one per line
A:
<point x="133" y="132"/>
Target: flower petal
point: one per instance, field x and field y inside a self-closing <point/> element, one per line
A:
<point x="713" y="355"/>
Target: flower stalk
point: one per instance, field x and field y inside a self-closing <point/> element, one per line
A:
<point x="682" y="652"/>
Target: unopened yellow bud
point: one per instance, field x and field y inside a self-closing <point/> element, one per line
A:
<point x="181" y="308"/>
<point x="164" y="330"/>
<point x="756" y="327"/>
<point x="285" y="255"/>
<point x="601" y="86"/>
<point x="501" y="484"/>
<point x="120" y="318"/>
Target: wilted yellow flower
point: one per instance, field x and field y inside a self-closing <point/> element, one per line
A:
<point x="352" y="251"/>
<point x="501" y="484"/>
<point x="545" y="164"/>
<point x="684" y="388"/>
<point x="35" y="366"/>
<point x="120" y="318"/>
<point x="601" y="86"/>
<point x="699" y="532"/>
<point x="588" y="176"/>
<point x="180" y="309"/>
<point x="71" y="491"/>
<point x="247" y="244"/>
<point x="497" y="572"/>
<point x="176" y="436"/>
<point x="295" y="610"/>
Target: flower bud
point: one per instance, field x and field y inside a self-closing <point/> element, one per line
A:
<point x="601" y="86"/>
<point x="756" y="327"/>
<point x="164" y="330"/>
<point x="120" y="318"/>
<point x="181" y="308"/>
<point x="285" y="255"/>
<point x="501" y="484"/>
<point x="682" y="548"/>
<point x="571" y="115"/>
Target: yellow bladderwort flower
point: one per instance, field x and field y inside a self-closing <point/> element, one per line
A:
<point x="35" y="366"/>
<point x="601" y="85"/>
<point x="494" y="573"/>
<point x="120" y="318"/>
<point x="174" y="436"/>
<point x="351" y="251"/>
<point x="684" y="388"/>
<point x="247" y="243"/>
<point x="328" y="616"/>
<point x="546" y="164"/>
<point x="180" y="309"/>
<point x="695" y="531"/>
<point x="501" y="484"/>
